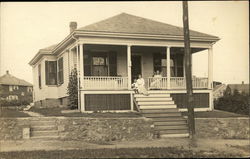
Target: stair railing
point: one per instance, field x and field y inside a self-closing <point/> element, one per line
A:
<point x="136" y="105"/>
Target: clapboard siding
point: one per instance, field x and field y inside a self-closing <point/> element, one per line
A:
<point x="201" y="100"/>
<point x="94" y="102"/>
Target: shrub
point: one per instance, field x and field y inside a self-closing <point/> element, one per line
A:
<point x="72" y="89"/>
<point x="236" y="103"/>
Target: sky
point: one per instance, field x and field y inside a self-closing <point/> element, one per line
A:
<point x="27" y="27"/>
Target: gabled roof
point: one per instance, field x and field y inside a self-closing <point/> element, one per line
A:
<point x="239" y="87"/>
<point x="8" y="79"/>
<point x="126" y="23"/>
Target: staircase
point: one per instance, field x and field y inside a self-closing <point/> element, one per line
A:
<point x="43" y="128"/>
<point x="159" y="106"/>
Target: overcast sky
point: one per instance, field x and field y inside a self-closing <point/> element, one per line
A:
<point x="27" y="27"/>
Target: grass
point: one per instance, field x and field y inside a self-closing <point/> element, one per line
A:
<point x="11" y="113"/>
<point x="214" y="114"/>
<point x="154" y="152"/>
<point x="57" y="112"/>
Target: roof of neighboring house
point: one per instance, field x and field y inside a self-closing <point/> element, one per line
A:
<point x="126" y="23"/>
<point x="239" y="87"/>
<point x="8" y="79"/>
<point x="219" y="87"/>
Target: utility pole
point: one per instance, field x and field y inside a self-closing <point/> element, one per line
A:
<point x="188" y="71"/>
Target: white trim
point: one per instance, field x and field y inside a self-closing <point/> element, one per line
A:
<point x="82" y="101"/>
<point x="131" y="101"/>
<point x="140" y="42"/>
<point x="129" y="65"/>
<point x="106" y="91"/>
<point x="111" y="111"/>
<point x="181" y="91"/>
<point x="168" y="67"/>
<point x="211" y="100"/>
<point x="210" y="68"/>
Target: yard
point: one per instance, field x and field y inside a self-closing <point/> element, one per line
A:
<point x="59" y="112"/>
<point x="10" y="112"/>
<point x="149" y="152"/>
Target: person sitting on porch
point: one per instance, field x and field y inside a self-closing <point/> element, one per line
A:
<point x="135" y="86"/>
<point x="156" y="80"/>
<point x="141" y="85"/>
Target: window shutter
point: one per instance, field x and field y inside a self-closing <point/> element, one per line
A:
<point x="47" y="72"/>
<point x="112" y="64"/>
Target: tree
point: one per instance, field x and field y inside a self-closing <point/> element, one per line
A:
<point x="72" y="89"/>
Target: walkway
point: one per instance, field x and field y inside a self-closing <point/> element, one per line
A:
<point x="33" y="114"/>
<point x="224" y="145"/>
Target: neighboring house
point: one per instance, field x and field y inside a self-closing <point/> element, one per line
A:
<point x="15" y="89"/>
<point x="242" y="88"/>
<point x="111" y="53"/>
<point x="218" y="91"/>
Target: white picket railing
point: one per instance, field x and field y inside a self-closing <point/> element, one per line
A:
<point x="157" y="83"/>
<point x="104" y="83"/>
<point x="176" y="83"/>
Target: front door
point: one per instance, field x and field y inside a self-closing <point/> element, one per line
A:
<point x="136" y="66"/>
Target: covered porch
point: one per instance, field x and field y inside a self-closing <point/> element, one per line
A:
<point x="114" y="67"/>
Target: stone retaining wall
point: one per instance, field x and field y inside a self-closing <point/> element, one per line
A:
<point x="226" y="128"/>
<point x="86" y="129"/>
<point x="118" y="129"/>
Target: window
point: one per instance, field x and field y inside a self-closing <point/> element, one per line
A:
<point x="12" y="97"/>
<point x="60" y="70"/>
<point x="10" y="88"/>
<point x="50" y="72"/>
<point x="176" y="64"/>
<point x="29" y="89"/>
<point x="13" y="87"/>
<point x="100" y="64"/>
<point x="39" y="76"/>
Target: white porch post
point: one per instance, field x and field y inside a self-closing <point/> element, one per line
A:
<point x="81" y="77"/>
<point x="210" y="67"/>
<point x="129" y="65"/>
<point x="78" y="83"/>
<point x="168" y="67"/>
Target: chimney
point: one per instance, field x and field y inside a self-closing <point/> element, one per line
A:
<point x="7" y="72"/>
<point x="72" y="26"/>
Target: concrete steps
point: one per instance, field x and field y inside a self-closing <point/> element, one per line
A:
<point x="44" y="129"/>
<point x="159" y="106"/>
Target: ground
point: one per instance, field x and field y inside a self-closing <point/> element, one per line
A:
<point x="160" y="148"/>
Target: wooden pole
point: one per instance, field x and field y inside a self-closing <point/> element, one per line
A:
<point x="188" y="71"/>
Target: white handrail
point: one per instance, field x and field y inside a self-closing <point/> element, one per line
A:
<point x="104" y="83"/>
<point x="176" y="83"/>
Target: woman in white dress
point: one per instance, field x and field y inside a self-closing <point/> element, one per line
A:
<point x="156" y="84"/>
<point x="141" y="85"/>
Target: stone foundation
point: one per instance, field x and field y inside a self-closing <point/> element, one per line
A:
<point x="51" y="103"/>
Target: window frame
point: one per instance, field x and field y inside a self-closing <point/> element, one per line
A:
<point x="50" y="71"/>
<point x="60" y="72"/>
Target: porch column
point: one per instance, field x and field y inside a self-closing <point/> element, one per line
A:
<point x="81" y="66"/>
<point x="168" y="67"/>
<point x="78" y="83"/>
<point x="81" y="77"/>
<point x="210" y="67"/>
<point x="129" y="65"/>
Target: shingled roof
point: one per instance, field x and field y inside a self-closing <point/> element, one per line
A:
<point x="126" y="23"/>
<point x="8" y="79"/>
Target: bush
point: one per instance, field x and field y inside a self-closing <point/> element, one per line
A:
<point x="236" y="103"/>
<point x="13" y="103"/>
<point x="72" y="89"/>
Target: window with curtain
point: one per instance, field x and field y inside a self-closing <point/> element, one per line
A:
<point x="50" y="72"/>
<point x="60" y="71"/>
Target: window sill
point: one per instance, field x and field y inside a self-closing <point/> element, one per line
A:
<point x="52" y="85"/>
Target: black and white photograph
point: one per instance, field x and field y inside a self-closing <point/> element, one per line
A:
<point x="124" y="79"/>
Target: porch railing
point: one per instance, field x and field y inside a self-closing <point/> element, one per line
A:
<point x="104" y="83"/>
<point x="176" y="83"/>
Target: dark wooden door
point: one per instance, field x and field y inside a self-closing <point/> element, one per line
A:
<point x="136" y="66"/>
